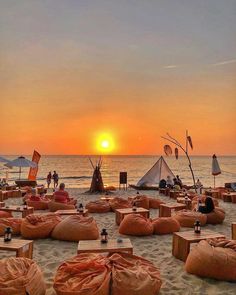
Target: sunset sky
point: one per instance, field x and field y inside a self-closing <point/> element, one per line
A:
<point x="72" y="70"/>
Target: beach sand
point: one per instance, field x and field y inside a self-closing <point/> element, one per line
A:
<point x="49" y="253"/>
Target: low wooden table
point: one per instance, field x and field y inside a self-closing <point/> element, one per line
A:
<point x="2" y="204"/>
<point x="233" y="227"/>
<point x="162" y="191"/>
<point x="23" y="248"/>
<point x="165" y="209"/>
<point x="182" y="240"/>
<point x="226" y="197"/>
<point x="106" y="198"/>
<point x="95" y="246"/>
<point x="3" y="195"/>
<point x="214" y="193"/>
<point x="72" y="212"/>
<point x="187" y="202"/>
<point x="233" y="197"/>
<point x="121" y="213"/>
<point x="25" y="212"/>
<point x="174" y="194"/>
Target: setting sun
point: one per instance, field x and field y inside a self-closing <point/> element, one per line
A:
<point x="105" y="143"/>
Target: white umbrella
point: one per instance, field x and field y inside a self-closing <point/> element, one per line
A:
<point x="215" y="167"/>
<point x="21" y="162"/>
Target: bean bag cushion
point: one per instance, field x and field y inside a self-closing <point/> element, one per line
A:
<point x="5" y="214"/>
<point x="216" y="217"/>
<point x="133" y="275"/>
<point x="165" y="225"/>
<point x="119" y="203"/>
<point x="54" y="206"/>
<point x="75" y="228"/>
<point x="214" y="259"/>
<point x="141" y="201"/>
<point x="38" y="205"/>
<point x="21" y="275"/>
<point x="98" y="206"/>
<point x="39" y="226"/>
<point x="187" y="218"/>
<point x="14" y="223"/>
<point x="85" y="274"/>
<point x="136" y="225"/>
<point x="155" y="203"/>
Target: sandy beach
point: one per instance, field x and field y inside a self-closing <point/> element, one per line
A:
<point x="49" y="253"/>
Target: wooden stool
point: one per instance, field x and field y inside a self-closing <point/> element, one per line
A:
<point x="23" y="248"/>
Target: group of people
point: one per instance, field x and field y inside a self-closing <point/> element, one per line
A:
<point x="176" y="183"/>
<point x="53" y="177"/>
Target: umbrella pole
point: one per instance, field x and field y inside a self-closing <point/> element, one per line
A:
<point x="19" y="172"/>
<point x="214" y="181"/>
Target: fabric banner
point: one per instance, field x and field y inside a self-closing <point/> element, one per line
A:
<point x="33" y="171"/>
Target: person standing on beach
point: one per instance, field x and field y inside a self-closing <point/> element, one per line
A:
<point x="55" y="178"/>
<point x="49" y="179"/>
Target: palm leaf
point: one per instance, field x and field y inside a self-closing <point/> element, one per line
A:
<point x="167" y="150"/>
<point x="190" y="141"/>
<point x="176" y="153"/>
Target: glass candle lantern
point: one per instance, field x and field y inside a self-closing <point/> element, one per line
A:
<point x="7" y="234"/>
<point x="104" y="236"/>
<point x="134" y="208"/>
<point x="197" y="227"/>
<point x="25" y="206"/>
<point x="81" y="208"/>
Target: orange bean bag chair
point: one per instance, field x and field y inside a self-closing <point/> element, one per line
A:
<point x="155" y="203"/>
<point x="76" y="228"/>
<point x="187" y="218"/>
<point x="141" y="201"/>
<point x="21" y="275"/>
<point x="85" y="274"/>
<point x="5" y="214"/>
<point x="38" y="205"/>
<point x="119" y="203"/>
<point x="39" y="226"/>
<point x="133" y="275"/>
<point x="214" y="259"/>
<point x="54" y="206"/>
<point x="98" y="206"/>
<point x="136" y="225"/>
<point x="216" y="217"/>
<point x="14" y="223"/>
<point x="165" y="225"/>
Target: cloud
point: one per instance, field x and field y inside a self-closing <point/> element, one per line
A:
<point x="170" y="67"/>
<point x="225" y="62"/>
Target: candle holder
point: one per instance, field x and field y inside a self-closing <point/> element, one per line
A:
<point x="7" y="234"/>
<point x="104" y="236"/>
<point x="197" y="227"/>
<point x="81" y="208"/>
<point x="134" y="208"/>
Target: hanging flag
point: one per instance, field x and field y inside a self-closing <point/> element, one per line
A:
<point x="33" y="171"/>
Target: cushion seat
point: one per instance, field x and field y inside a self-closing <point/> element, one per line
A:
<point x="136" y="225"/>
<point x="187" y="218"/>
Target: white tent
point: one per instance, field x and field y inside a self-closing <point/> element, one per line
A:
<point x="160" y="170"/>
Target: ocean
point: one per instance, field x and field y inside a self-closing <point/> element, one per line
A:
<point x="76" y="171"/>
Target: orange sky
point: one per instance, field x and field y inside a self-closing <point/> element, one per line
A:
<point x="66" y="79"/>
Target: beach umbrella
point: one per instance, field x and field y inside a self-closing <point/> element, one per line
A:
<point x="20" y="162"/>
<point x="215" y="167"/>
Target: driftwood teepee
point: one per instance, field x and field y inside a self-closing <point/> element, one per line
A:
<point x="97" y="183"/>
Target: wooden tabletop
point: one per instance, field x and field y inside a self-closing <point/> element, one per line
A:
<point x="106" y="198"/>
<point x="229" y="194"/>
<point x="14" y="244"/>
<point x="130" y="210"/>
<point x="15" y="208"/>
<point x="191" y="236"/>
<point x="111" y="246"/>
<point x="173" y="206"/>
<point x="71" y="212"/>
<point x="181" y="199"/>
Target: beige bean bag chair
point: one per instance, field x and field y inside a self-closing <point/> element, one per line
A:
<point x="119" y="203"/>
<point x="133" y="275"/>
<point x="14" y="223"/>
<point x="187" y="218"/>
<point x="141" y="201"/>
<point x="38" y="205"/>
<point x="214" y="259"/>
<point x="54" y="206"/>
<point x="165" y="225"/>
<point x="76" y="228"/>
<point x="98" y="206"/>
<point x="85" y="274"/>
<point x="39" y="226"/>
<point x="155" y="203"/>
<point x="136" y="225"/>
<point x="216" y="217"/>
<point x="21" y="275"/>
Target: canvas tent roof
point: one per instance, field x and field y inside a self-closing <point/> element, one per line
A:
<point x="160" y="170"/>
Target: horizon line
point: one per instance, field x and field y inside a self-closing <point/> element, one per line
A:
<point x="124" y="155"/>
